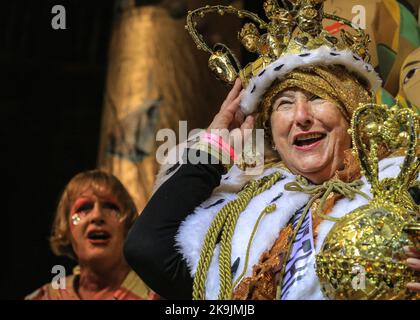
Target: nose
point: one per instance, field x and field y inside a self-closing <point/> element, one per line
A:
<point x="97" y="215"/>
<point x="303" y="115"/>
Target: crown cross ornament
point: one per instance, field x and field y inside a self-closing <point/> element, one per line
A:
<point x="371" y="238"/>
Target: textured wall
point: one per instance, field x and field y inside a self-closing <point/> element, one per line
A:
<point x="156" y="77"/>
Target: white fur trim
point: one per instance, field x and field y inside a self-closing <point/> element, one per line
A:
<point x="173" y="160"/>
<point x="324" y="55"/>
<point x="193" y="230"/>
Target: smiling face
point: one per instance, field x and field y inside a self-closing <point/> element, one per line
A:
<point x="310" y="134"/>
<point x="97" y="231"/>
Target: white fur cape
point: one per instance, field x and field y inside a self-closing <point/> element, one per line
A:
<point x="193" y="230"/>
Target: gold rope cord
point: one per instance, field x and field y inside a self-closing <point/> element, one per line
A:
<point x="269" y="209"/>
<point x="349" y="190"/>
<point x="224" y="224"/>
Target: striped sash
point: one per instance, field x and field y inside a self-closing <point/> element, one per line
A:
<point x="302" y="253"/>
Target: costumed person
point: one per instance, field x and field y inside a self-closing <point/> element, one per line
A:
<point x="92" y="219"/>
<point x="409" y="90"/>
<point x="320" y="221"/>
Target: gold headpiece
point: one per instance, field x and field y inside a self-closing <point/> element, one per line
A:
<point x="363" y="256"/>
<point x="293" y="29"/>
<point x="292" y="38"/>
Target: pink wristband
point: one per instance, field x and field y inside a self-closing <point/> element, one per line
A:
<point x="217" y="140"/>
<point x="220" y="143"/>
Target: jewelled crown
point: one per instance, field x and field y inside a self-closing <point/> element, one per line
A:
<point x="293" y="36"/>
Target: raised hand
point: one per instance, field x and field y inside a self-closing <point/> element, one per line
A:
<point x="230" y="116"/>
<point x="413" y="262"/>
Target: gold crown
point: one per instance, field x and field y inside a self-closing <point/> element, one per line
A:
<point x="295" y="27"/>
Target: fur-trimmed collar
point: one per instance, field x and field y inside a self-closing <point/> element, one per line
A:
<point x="193" y="230"/>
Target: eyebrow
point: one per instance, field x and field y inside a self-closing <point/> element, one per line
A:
<point x="107" y="201"/>
<point x="287" y="94"/>
<point x="85" y="205"/>
<point x="411" y="63"/>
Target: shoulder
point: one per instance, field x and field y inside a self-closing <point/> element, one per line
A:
<point x="38" y="294"/>
<point x="50" y="292"/>
<point x="134" y="288"/>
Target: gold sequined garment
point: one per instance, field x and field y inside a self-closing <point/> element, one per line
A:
<point x="263" y="282"/>
<point x="369" y="241"/>
<point x="262" y="285"/>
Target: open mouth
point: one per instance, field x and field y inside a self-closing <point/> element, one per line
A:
<point x="308" y="139"/>
<point x="99" y="235"/>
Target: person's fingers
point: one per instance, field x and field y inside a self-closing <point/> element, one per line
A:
<point x="233" y="94"/>
<point x="222" y="120"/>
<point x="226" y="117"/>
<point x="235" y="137"/>
<point x="413" y="286"/>
<point x="246" y="128"/>
<point x="412" y="252"/>
<point x="413" y="263"/>
<point x="239" y="117"/>
<point x="233" y="107"/>
<point x="239" y="135"/>
<point x="248" y="123"/>
<point x="230" y="111"/>
<point x="236" y="90"/>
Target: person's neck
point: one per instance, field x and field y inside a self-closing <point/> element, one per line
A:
<point x="101" y="281"/>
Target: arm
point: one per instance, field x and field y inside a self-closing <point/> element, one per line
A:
<point x="150" y="245"/>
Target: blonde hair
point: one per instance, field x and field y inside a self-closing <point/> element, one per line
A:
<point x="97" y="180"/>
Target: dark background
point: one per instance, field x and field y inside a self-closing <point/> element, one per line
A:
<point x="51" y="96"/>
<point x="51" y="89"/>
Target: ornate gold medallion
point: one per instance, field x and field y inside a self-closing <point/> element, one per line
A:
<point x="363" y="256"/>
